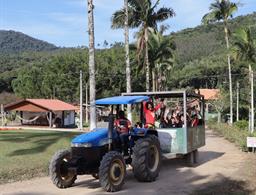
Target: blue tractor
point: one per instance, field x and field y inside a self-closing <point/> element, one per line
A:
<point x="102" y="154"/>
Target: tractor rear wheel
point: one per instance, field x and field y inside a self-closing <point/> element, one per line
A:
<point x="146" y="159"/>
<point x="112" y="171"/>
<point x="60" y="175"/>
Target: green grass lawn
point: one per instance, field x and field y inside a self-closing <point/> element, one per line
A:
<point x="26" y="153"/>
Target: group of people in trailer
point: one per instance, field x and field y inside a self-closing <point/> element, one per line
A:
<point x="165" y="116"/>
<point x="168" y="118"/>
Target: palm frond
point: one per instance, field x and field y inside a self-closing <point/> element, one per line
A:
<point x="163" y="14"/>
<point x="210" y="17"/>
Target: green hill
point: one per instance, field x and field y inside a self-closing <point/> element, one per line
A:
<point x="41" y="69"/>
<point x="202" y="41"/>
<point x="17" y="42"/>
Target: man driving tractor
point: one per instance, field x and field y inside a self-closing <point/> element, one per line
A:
<point x="122" y="125"/>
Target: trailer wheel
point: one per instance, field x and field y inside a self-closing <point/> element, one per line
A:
<point x="60" y="175"/>
<point x="146" y="159"/>
<point x="112" y="171"/>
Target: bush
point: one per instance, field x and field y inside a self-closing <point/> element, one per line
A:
<point x="242" y="125"/>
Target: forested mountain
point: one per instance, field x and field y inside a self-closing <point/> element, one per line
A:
<point x="17" y="42"/>
<point x="54" y="72"/>
<point x="202" y="41"/>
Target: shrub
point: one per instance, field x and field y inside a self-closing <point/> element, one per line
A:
<point x="242" y="125"/>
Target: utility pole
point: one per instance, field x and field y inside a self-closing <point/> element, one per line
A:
<point x="237" y="101"/>
<point x="86" y="103"/>
<point x="252" y="98"/>
<point x="81" y="100"/>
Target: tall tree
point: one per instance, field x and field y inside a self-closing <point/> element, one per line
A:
<point x="222" y="10"/>
<point x="245" y="50"/>
<point x="127" y="57"/>
<point x="92" y="65"/>
<point x="143" y="15"/>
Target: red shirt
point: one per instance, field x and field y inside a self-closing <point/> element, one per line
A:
<point x="150" y="114"/>
<point x="122" y="125"/>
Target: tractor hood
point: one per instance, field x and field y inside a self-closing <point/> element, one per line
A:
<point x="97" y="137"/>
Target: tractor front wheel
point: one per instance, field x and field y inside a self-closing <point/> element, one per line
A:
<point x="112" y="171"/>
<point x="59" y="170"/>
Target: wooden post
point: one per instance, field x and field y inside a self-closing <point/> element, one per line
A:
<point x="63" y="119"/>
<point x="252" y="98"/>
<point x="21" y="116"/>
<point x="2" y="115"/>
<point x="50" y="119"/>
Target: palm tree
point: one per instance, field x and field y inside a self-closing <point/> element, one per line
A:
<point x="91" y="65"/>
<point x="127" y="58"/>
<point x="222" y="10"/>
<point x="143" y="15"/>
<point x="245" y="50"/>
<point x="161" y="57"/>
<point x="244" y="46"/>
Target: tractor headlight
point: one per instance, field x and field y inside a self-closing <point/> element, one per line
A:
<point x="84" y="145"/>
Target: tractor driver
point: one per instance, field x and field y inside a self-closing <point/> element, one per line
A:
<point x="122" y="125"/>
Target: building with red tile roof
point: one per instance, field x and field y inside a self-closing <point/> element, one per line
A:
<point x="47" y="111"/>
<point x="209" y="94"/>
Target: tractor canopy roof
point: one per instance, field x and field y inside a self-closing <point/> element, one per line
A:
<point x="122" y="100"/>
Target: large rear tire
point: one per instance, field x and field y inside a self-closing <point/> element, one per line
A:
<point x="146" y="159"/>
<point x="112" y="171"/>
<point x="60" y="175"/>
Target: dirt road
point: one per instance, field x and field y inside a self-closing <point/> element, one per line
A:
<point x="221" y="170"/>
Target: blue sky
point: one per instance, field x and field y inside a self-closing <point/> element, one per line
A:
<point x="64" y="22"/>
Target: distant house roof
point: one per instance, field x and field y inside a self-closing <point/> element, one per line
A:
<point x="39" y="105"/>
<point x="209" y="94"/>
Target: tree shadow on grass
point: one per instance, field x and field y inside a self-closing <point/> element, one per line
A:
<point x="39" y="141"/>
<point x="41" y="146"/>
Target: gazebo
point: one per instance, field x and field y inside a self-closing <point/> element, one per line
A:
<point x="42" y="112"/>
